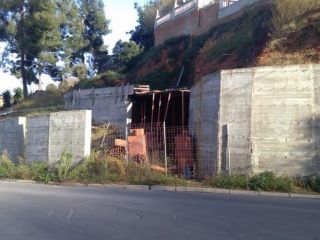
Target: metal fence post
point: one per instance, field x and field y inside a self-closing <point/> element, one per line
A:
<point x="127" y="144"/>
<point x="165" y="147"/>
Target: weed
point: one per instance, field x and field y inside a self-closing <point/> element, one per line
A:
<point x="7" y="168"/>
<point x="313" y="183"/>
<point x="267" y="181"/>
<point x="40" y="172"/>
<point x="64" y="165"/>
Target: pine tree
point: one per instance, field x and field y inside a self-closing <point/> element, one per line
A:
<point x="29" y="27"/>
<point x="95" y="27"/>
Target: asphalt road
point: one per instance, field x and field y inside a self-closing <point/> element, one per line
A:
<point x="40" y="212"/>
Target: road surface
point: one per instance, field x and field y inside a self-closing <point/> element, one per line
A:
<point x="40" y="212"/>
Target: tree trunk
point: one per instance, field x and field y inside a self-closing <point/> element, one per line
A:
<point x="23" y="75"/>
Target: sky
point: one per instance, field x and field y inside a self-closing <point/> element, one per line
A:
<point x="123" y="18"/>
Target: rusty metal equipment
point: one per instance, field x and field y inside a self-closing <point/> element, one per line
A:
<point x="184" y="154"/>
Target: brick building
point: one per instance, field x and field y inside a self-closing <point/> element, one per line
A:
<point x="195" y="17"/>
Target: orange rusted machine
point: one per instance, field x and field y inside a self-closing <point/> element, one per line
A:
<point x="184" y="154"/>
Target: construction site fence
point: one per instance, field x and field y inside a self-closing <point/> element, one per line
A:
<point x="170" y="150"/>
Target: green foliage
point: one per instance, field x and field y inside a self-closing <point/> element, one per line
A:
<point x="125" y="52"/>
<point x="52" y="89"/>
<point x="107" y="79"/>
<point x="18" y="95"/>
<point x="143" y="34"/>
<point x="29" y="34"/>
<point x="267" y="181"/>
<point x="95" y="27"/>
<point x="229" y="182"/>
<point x="7" y="167"/>
<point x="7" y="99"/>
<point x="287" y="13"/>
<point x="41" y="172"/>
<point x="313" y="183"/>
<point x="23" y="172"/>
<point x="160" y="78"/>
<point x="64" y="165"/>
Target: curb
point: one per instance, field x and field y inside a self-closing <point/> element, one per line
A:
<point x="177" y="189"/>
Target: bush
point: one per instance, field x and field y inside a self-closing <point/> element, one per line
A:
<point x="229" y="182"/>
<point x="64" y="165"/>
<point x="40" y="172"/>
<point x="53" y="89"/>
<point x="267" y="181"/>
<point x="313" y="183"/>
<point x="115" y="166"/>
<point x="7" y="168"/>
<point x="287" y="12"/>
<point x="18" y="95"/>
<point x="7" y="99"/>
<point x="24" y="172"/>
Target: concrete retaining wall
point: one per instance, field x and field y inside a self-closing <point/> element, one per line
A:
<point x="48" y="136"/>
<point x="107" y="104"/>
<point x="234" y="121"/>
<point x="269" y="119"/>
<point x="204" y="122"/>
<point x="12" y="137"/>
<point x="283" y="139"/>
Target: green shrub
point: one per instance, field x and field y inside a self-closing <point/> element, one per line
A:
<point x="313" y="183"/>
<point x="7" y="99"/>
<point x="267" y="181"/>
<point x="53" y="89"/>
<point x="286" y="13"/>
<point x="24" y="172"/>
<point x="229" y="182"/>
<point x="40" y="172"/>
<point x="7" y="168"/>
<point x="64" y="165"/>
<point x="115" y="166"/>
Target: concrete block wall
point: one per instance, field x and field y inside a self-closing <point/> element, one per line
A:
<point x="49" y="135"/>
<point x="12" y="133"/>
<point x="269" y="119"/>
<point x="107" y="104"/>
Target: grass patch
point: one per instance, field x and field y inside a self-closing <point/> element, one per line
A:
<point x="103" y="170"/>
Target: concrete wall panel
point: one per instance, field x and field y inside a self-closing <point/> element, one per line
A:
<point x="203" y="122"/>
<point x="48" y="136"/>
<point x="107" y="104"/>
<point x="12" y="137"/>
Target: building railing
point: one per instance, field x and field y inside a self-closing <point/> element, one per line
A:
<point x="177" y="11"/>
<point x="185" y="7"/>
<point x="227" y="7"/>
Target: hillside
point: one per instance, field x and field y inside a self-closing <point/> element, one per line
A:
<point x="248" y="41"/>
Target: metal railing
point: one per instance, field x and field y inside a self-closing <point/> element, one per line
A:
<point x="177" y="11"/>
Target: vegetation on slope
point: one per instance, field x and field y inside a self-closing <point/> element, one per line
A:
<point x="271" y="34"/>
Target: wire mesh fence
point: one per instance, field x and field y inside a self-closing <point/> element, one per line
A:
<point x="166" y="149"/>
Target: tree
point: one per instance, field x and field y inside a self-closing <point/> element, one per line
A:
<point x="125" y="52"/>
<point x="7" y="98"/>
<point x="29" y="27"/>
<point x="95" y="27"/>
<point x="18" y="95"/>
<point x="143" y="34"/>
